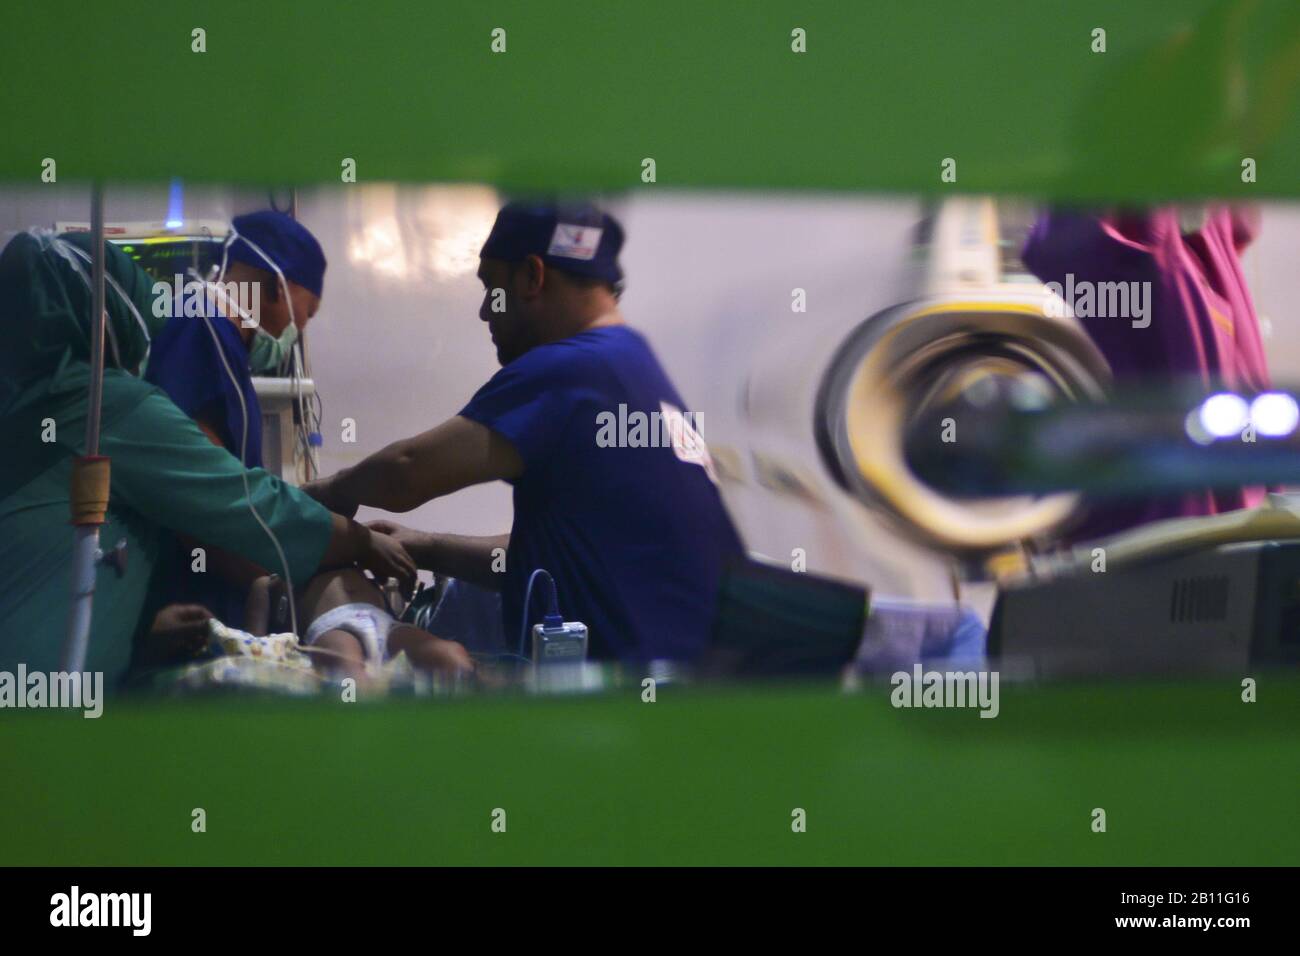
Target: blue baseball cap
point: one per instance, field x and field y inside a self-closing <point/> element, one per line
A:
<point x="576" y="238"/>
<point x="287" y="242"/>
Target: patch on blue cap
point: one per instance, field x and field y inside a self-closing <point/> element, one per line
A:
<point x="575" y="241"/>
<point x="577" y="238"/>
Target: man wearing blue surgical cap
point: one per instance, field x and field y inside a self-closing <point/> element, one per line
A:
<point x="204" y="359"/>
<point x="628" y="523"/>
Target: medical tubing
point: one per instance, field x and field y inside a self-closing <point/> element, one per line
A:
<point x="148" y="340"/>
<point x="243" y="448"/>
<point x="296" y="360"/>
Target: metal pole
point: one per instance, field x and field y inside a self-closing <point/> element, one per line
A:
<point x="96" y="320"/>
<point x="86" y="543"/>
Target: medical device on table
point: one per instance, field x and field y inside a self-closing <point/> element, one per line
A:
<point x="1194" y="610"/>
<point x="555" y="640"/>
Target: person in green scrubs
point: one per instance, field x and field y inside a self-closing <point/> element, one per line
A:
<point x="167" y="476"/>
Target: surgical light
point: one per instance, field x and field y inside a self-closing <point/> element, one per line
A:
<point x="1224" y="415"/>
<point x="1274" y="414"/>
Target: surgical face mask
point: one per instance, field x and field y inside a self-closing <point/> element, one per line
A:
<point x="268" y="352"/>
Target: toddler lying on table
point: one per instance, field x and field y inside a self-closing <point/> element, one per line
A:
<point x="349" y="629"/>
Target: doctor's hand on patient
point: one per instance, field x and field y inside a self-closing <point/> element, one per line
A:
<point x="475" y="559"/>
<point x="353" y="544"/>
<point x="410" y="539"/>
<point x="384" y="557"/>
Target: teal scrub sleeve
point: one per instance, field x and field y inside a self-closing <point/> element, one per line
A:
<point x="167" y="469"/>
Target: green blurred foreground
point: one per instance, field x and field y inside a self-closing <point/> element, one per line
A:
<point x="1187" y="774"/>
<point x="1021" y="94"/>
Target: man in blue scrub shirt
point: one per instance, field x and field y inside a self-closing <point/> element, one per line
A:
<point x="186" y="357"/>
<point x="627" y="519"/>
<point x="205" y="365"/>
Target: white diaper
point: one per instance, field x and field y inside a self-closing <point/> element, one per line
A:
<point x="369" y="624"/>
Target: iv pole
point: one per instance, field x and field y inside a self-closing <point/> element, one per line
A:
<point x="90" y="474"/>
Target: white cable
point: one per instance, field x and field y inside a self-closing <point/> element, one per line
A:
<point x="302" y="443"/>
<point x="243" y="409"/>
<point x="62" y="247"/>
<point x="248" y="494"/>
<point x="148" y="340"/>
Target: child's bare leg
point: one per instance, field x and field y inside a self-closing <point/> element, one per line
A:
<point x="427" y="652"/>
<point x="339" y="652"/>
